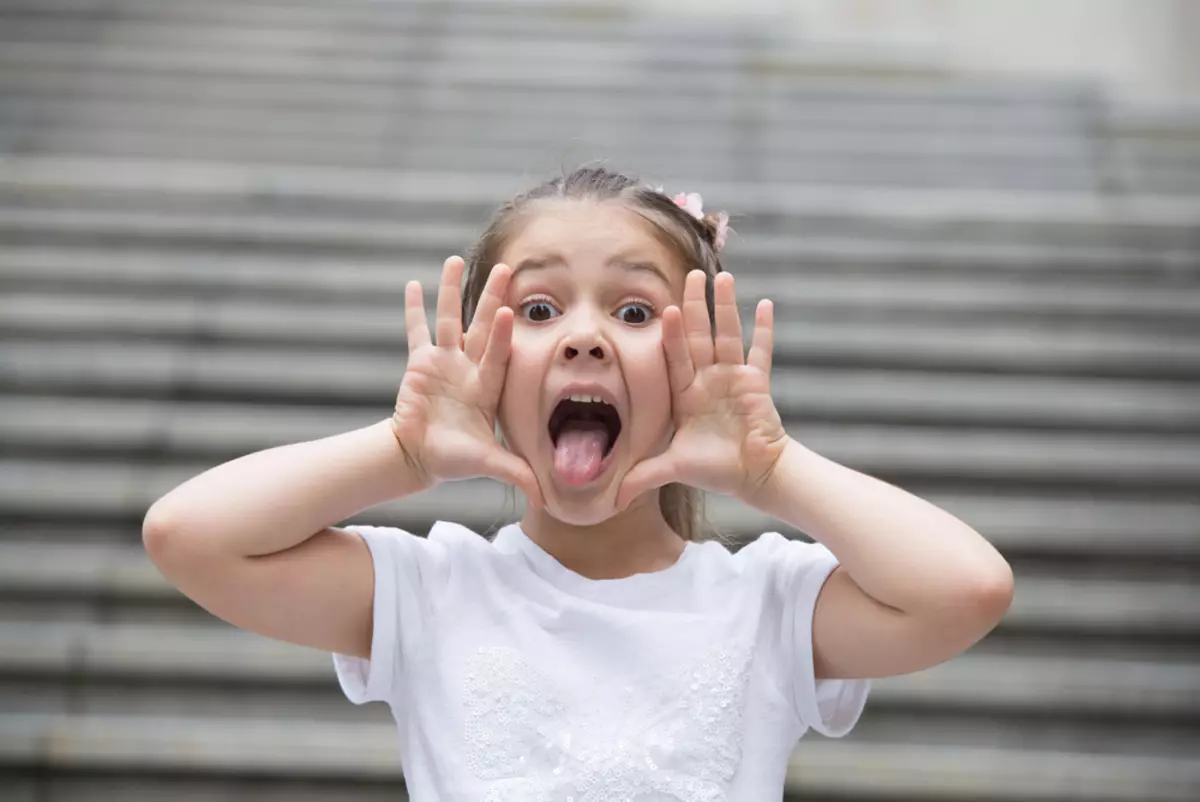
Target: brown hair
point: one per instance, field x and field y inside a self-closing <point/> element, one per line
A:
<point x="692" y="241"/>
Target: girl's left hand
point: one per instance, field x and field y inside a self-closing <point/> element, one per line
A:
<point x="728" y="435"/>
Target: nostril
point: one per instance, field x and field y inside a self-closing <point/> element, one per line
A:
<point x="596" y="352"/>
<point x="571" y="352"/>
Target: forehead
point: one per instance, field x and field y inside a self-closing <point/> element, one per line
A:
<point x="589" y="234"/>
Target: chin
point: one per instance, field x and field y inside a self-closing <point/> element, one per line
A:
<point x="583" y="506"/>
<point x="581" y="513"/>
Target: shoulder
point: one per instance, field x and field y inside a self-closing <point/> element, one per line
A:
<point x="774" y="549"/>
<point x="446" y="543"/>
<point x="784" y="561"/>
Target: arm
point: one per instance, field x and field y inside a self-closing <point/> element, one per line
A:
<point x="250" y="541"/>
<point x="914" y="586"/>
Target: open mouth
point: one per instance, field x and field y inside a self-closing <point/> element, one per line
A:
<point x="584" y="430"/>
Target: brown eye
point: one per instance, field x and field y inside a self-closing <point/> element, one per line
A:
<point x="635" y="314"/>
<point x="538" y="311"/>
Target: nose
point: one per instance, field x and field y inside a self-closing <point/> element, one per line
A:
<point x="585" y="341"/>
<point x="571" y="351"/>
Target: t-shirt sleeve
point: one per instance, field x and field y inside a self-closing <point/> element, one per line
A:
<point x="829" y="706"/>
<point x="410" y="572"/>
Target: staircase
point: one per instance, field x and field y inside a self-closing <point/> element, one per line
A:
<point x="988" y="293"/>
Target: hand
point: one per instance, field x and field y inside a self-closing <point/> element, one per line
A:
<point x="728" y="435"/>
<point x="445" y="414"/>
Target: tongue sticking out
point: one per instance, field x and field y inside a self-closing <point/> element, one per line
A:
<point x="579" y="452"/>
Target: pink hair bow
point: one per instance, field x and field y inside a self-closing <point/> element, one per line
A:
<point x="693" y="204"/>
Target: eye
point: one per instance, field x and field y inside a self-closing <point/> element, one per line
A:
<point x="538" y="310"/>
<point x="635" y="313"/>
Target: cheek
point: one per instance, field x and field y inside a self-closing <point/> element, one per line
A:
<point x="649" y="389"/>
<point x="522" y="387"/>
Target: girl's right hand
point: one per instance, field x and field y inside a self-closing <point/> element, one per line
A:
<point x="445" y="417"/>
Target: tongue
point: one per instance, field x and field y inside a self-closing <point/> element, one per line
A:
<point x="580" y="451"/>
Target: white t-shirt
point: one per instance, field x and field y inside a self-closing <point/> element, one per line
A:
<point x="511" y="677"/>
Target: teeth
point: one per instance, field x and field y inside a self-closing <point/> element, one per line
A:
<point x="586" y="399"/>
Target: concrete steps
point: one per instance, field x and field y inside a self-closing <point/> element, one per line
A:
<point x="987" y="292"/>
<point x="424" y="90"/>
<point x="367" y="751"/>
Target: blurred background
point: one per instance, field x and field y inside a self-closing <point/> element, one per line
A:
<point x="980" y="223"/>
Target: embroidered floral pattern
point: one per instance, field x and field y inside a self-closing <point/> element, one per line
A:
<point x="678" y="740"/>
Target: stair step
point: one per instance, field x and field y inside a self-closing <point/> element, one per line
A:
<point x="1042" y="602"/>
<point x="851" y="770"/>
<point x="111" y="310"/>
<point x="801" y="394"/>
<point x="897" y="216"/>
<point x="221" y="654"/>
<point x="352" y="238"/>
<point x="1129" y="529"/>
<point x="1146" y="460"/>
<point x="247" y="364"/>
<point x="813" y="108"/>
<point x="895" y="136"/>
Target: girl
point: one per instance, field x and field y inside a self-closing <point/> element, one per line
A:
<point x="597" y="650"/>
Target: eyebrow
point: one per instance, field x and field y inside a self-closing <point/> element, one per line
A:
<point x="554" y="260"/>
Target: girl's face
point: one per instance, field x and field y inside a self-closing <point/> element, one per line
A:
<point x="590" y="282"/>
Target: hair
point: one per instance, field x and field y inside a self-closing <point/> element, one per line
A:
<point x="692" y="241"/>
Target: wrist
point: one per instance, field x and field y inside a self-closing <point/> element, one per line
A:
<point x="415" y="477"/>
<point x="767" y="493"/>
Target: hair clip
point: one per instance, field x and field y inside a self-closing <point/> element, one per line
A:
<point x="693" y="204"/>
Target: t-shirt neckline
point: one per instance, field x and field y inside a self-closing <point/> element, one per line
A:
<point x="626" y="588"/>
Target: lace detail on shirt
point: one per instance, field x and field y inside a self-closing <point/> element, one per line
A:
<point x="677" y="739"/>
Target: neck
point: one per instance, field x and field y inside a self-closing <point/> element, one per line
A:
<point x="635" y="541"/>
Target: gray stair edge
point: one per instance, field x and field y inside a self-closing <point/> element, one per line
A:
<point x="994" y="453"/>
<point x="1030" y="523"/>
<point x="1040" y="601"/>
<point x="241" y="181"/>
<point x="363" y="287"/>
<point x="892" y="396"/>
<point x="110" y="277"/>
<point x="221" y="653"/>
<point x="983" y="347"/>
<point x="770" y="253"/>
<point x="1024" y="521"/>
<point x="370" y="751"/>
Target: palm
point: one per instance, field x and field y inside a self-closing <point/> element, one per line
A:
<point x="447" y="411"/>
<point x="446" y="406"/>
<point x="727" y="429"/>
<point x="728" y="434"/>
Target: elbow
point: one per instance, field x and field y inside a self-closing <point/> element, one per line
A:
<point x="158" y="529"/>
<point x="990" y="594"/>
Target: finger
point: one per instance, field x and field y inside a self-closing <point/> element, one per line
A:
<point x="646" y="475"/>
<point x="680" y="370"/>
<point x="729" y="325"/>
<point x="507" y="467"/>
<point x="481" y="323"/>
<point x="494" y="362"/>
<point x="449" y="304"/>
<point x="415" y="325"/>
<point x="764" y="337"/>
<point x="696" y="321"/>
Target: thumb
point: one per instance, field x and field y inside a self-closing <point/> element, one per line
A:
<point x="648" y="474"/>
<point x="509" y="468"/>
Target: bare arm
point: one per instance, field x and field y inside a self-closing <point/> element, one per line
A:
<point x="915" y="586"/>
<point x="250" y="541"/>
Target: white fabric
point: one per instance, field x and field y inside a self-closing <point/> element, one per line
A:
<point x="511" y="677"/>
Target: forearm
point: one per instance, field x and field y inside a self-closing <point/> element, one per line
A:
<point x="271" y="500"/>
<point x="900" y="549"/>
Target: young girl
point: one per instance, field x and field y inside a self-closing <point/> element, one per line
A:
<point x="597" y="650"/>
